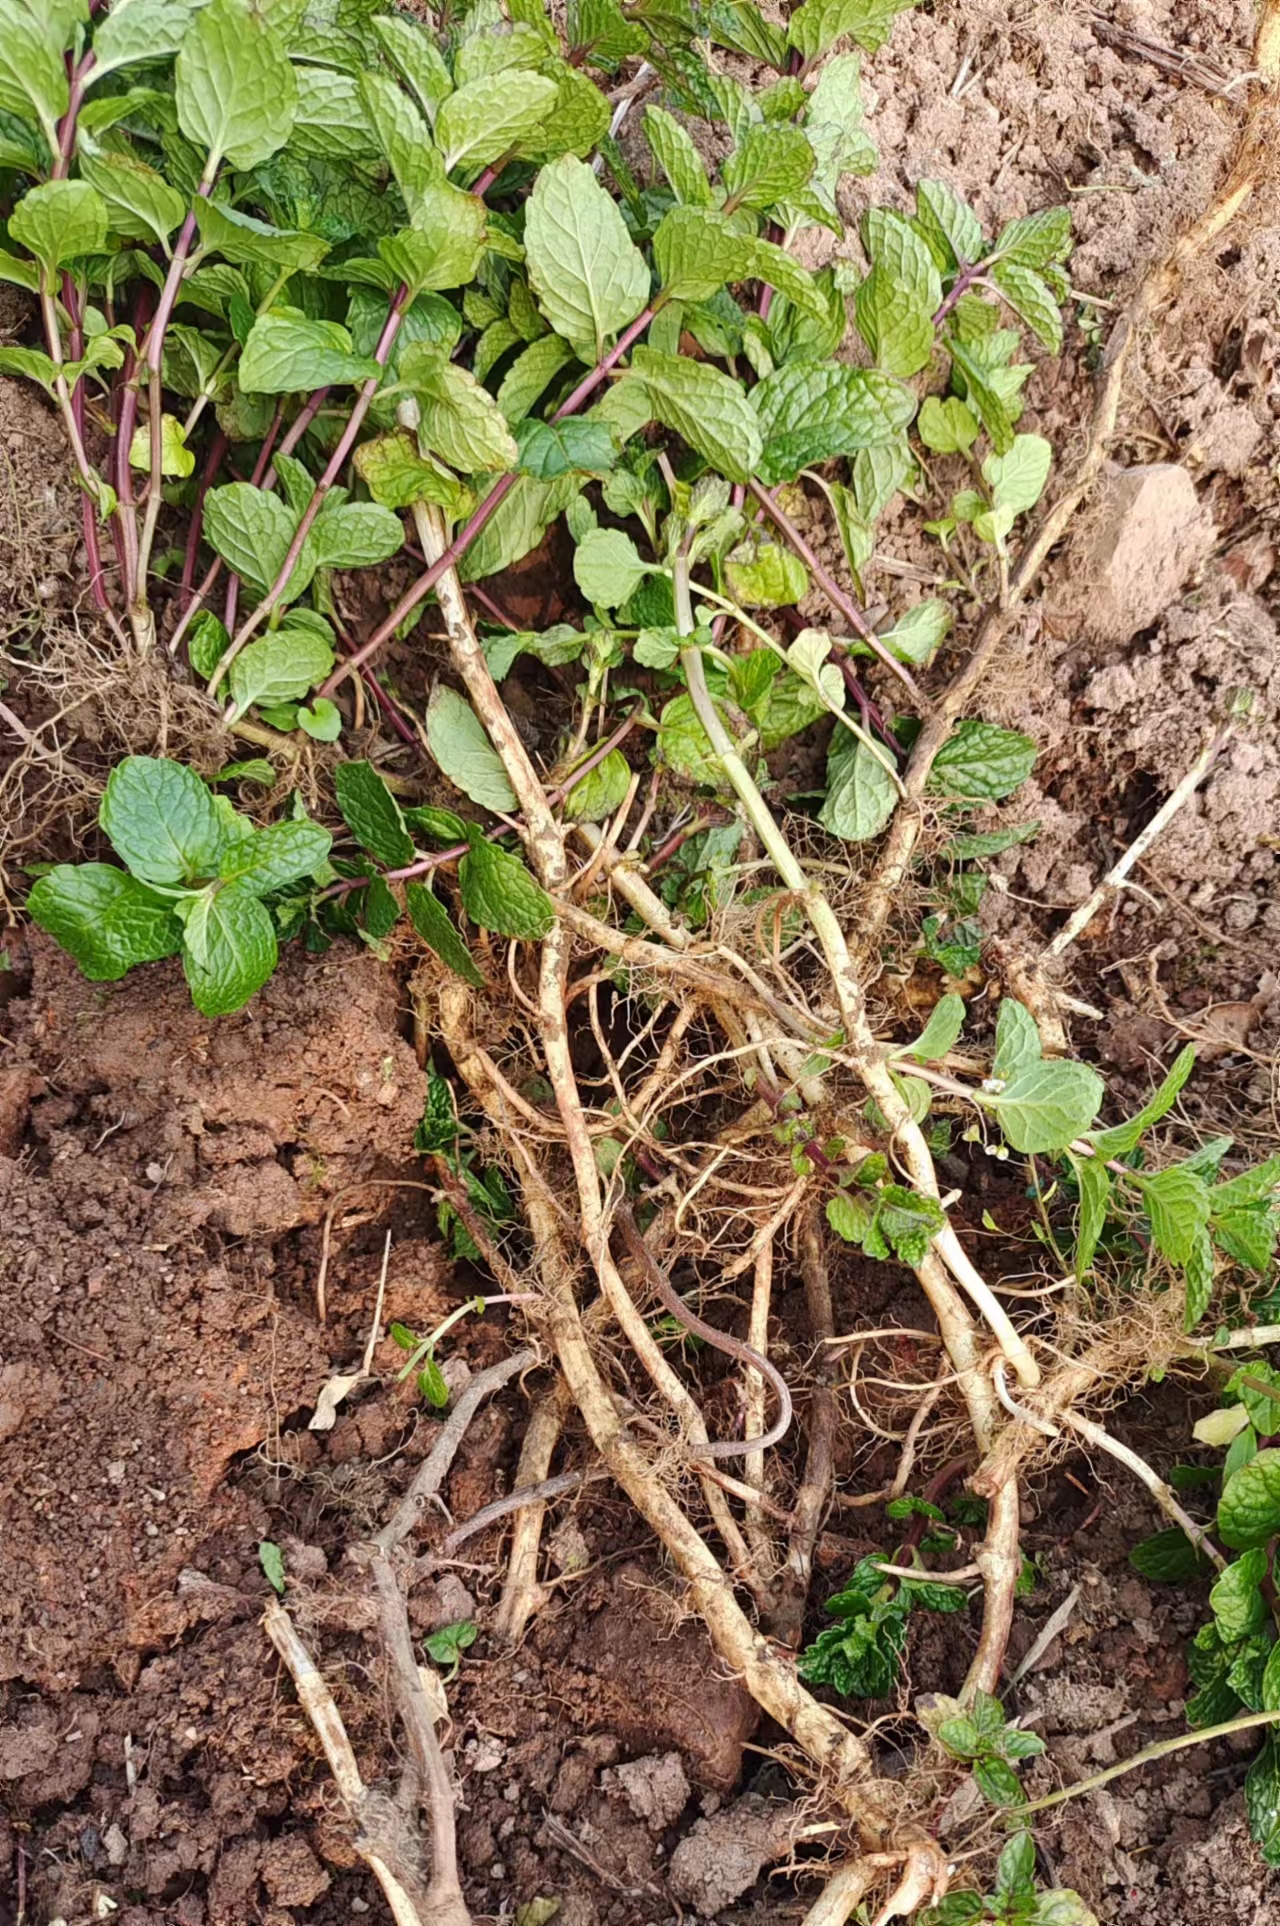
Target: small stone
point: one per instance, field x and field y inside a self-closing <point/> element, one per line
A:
<point x="115" y="1845"/>
<point x="1145" y="536"/>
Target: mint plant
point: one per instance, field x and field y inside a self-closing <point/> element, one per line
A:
<point x="1014" y="1899"/>
<point x="861" y="1655"/>
<point x="199" y="880"/>
<point x="1234" y="1659"/>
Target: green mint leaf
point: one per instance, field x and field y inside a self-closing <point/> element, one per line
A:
<point x="241" y="238"/>
<point x="600" y="31"/>
<point x="1017" y="479"/>
<point x="443" y="247"/>
<point x="607" y="567"/>
<point x="1094" y="1180"/>
<point x="657" y="648"/>
<point x="271" y="1559"/>
<point x="142" y="30"/>
<point x="499" y="894"/>
<point x="460" y="420"/>
<point x="601" y="791"/>
<point x="994" y="408"/>
<point x="1262" y="1800"/>
<point x="947" y="427"/>
<point x="696" y="250"/>
<point x="33" y="74"/>
<point x="834" y="125"/>
<point x="1016" y="1870"/>
<point x="816" y="26"/>
<point x="282" y="667"/>
<point x="939" y="1035"/>
<point x="484" y="120"/>
<point x="1047" y="1105"/>
<point x="1199" y="1280"/>
<point x="588" y="275"/>
<point x="772" y="163"/>
<point x="330" y="118"/>
<point x="1122" y="1138"/>
<point x="1236" y="1598"/>
<point x="59" y="221"/>
<point x="1177" y="1205"/>
<point x="552" y="448"/>
<point x="1017" y="1040"/>
<point x="989" y="842"/>
<point x="402" y="137"/>
<point x="916" y="635"/>
<point x="765" y="576"/>
<point x="432" y="922"/>
<point x="711" y="412"/>
<point x="811" y="411"/>
<point x="413" y="53"/>
<point x="104" y="918"/>
<point x="234" y="85"/>
<point x="983" y="763"/>
<point x="530" y="373"/>
<point x="233" y="952"/>
<point x="354" y="535"/>
<point x="684" y="744"/>
<point x="175" y="457"/>
<point x="849" y="1217"/>
<point x="456" y="738"/>
<point x="276" y="856"/>
<point x="251" y="531"/>
<point x="162" y="820"/>
<point x="397" y="476"/>
<point x="287" y="353"/>
<point x="372" y="814"/>
<point x="1169" y="1558"/>
<point x="140" y="204"/>
<point x="672" y="148"/>
<point x="577" y="123"/>
<point x="207" y="639"/>
<point x="517" y="526"/>
<point x="437" y="825"/>
<point x="444" y="1645"/>
<point x="998" y="1782"/>
<point x="861" y="795"/>
<point x="907" y="1222"/>
<point x="1037" y="240"/>
<point x="1032" y="301"/>
<point x="1249" y="1509"/>
<point x="252" y="769"/>
<point x="949" y="225"/>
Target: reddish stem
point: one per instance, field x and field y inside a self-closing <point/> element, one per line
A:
<point x="495" y="609"/>
<point x="497" y="494"/>
<point x="337" y="462"/>
<point x="213" y="461"/>
<point x="255" y="481"/>
<point x="842" y="603"/>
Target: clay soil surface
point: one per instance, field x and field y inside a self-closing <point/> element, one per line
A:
<point x="165" y="1181"/>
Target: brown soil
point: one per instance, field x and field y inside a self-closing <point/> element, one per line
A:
<point x="164" y="1181"/>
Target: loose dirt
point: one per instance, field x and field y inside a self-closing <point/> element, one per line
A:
<point x="164" y="1181"/>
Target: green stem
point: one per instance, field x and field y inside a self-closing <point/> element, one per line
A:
<point x="1160" y="1750"/>
<point x="831" y="938"/>
<point x="878" y="750"/>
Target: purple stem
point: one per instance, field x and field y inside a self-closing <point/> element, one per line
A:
<point x="337" y="462"/>
<point x="255" y="481"/>
<point x="963" y="282"/>
<point x="841" y="602"/>
<point x="75" y="342"/>
<point x="497" y="494"/>
<point x="213" y="461"/>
